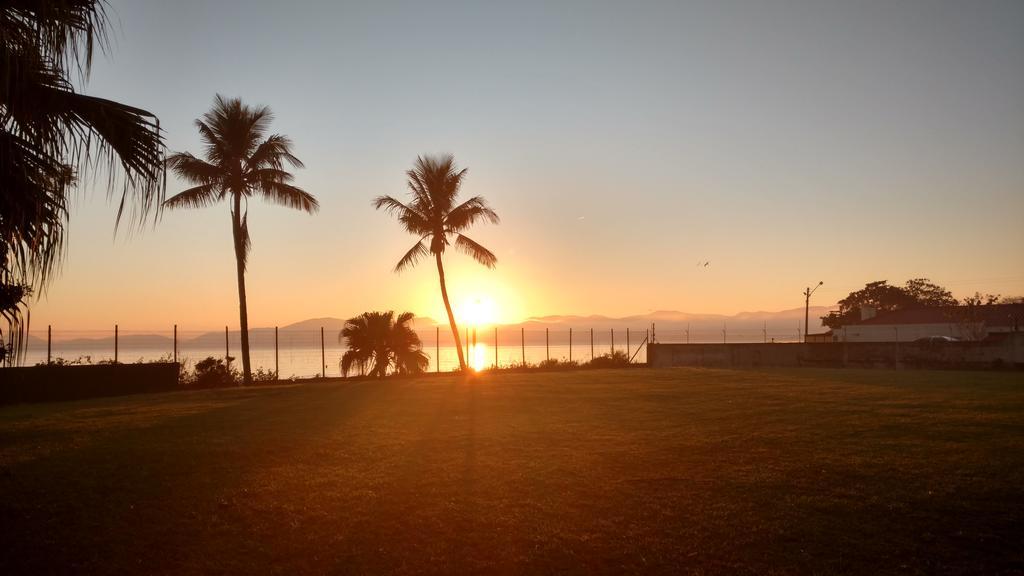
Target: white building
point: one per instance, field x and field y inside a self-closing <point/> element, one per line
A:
<point x="910" y="324"/>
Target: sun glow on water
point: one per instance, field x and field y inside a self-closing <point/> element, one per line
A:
<point x="478" y="357"/>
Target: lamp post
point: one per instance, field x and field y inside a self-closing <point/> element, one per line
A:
<point x="807" y="306"/>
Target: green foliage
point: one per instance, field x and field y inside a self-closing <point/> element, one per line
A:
<point x="379" y="344"/>
<point x="885" y="297"/>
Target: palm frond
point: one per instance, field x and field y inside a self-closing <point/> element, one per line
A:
<point x="196" y="197"/>
<point x="287" y="195"/>
<point x="479" y="253"/>
<point x="414" y="220"/>
<point x="274" y="152"/>
<point x="90" y="134"/>
<point x="192" y="169"/>
<point x="68" y="31"/>
<point x="412" y="256"/>
<point x="470" y="212"/>
<point x="355" y="358"/>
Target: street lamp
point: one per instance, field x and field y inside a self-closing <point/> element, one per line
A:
<point x="807" y="307"/>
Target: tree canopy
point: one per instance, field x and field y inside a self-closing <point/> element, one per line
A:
<point x="885" y="297"/>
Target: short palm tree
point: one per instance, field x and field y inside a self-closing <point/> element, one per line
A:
<point x="241" y="162"/>
<point x="434" y="217"/>
<point x="50" y="134"/>
<point x="378" y="342"/>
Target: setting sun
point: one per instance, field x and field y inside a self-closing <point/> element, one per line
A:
<point x="478" y="311"/>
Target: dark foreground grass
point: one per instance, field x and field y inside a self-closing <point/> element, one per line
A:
<point x="635" y="471"/>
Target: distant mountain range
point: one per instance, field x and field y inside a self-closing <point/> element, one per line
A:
<point x="307" y="332"/>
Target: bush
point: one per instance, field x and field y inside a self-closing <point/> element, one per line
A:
<point x="264" y="375"/>
<point x="555" y="363"/>
<point x="616" y="360"/>
<point x="58" y="361"/>
<point x="213" y="373"/>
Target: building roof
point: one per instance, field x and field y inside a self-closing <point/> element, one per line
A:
<point x="992" y="315"/>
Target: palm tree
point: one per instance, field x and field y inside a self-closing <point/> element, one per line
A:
<point x="378" y="341"/>
<point x="50" y="134"/>
<point x="241" y="162"/>
<point x="433" y="217"/>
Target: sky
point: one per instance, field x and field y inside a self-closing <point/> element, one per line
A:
<point x="782" y="142"/>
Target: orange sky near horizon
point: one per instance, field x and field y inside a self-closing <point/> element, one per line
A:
<point x="167" y="286"/>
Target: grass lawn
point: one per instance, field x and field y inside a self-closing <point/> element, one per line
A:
<point x="671" y="471"/>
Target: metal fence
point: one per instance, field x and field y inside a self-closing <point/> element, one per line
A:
<point x="311" y="353"/>
<point x="317" y="352"/>
<point x="727" y="334"/>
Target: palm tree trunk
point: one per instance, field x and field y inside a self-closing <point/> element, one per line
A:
<point x="451" y="317"/>
<point x="243" y="313"/>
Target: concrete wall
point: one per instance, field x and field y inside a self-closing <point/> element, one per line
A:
<point x="1004" y="352"/>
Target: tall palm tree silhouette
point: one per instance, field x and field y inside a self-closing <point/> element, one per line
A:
<point x="433" y="216"/>
<point x="241" y="161"/>
<point x="378" y="341"/>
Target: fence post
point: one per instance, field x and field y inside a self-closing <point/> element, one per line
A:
<point x="277" y="357"/>
<point x="323" y="355"/>
<point x="227" y="350"/>
<point x="522" y="342"/>
<point x="628" y="349"/>
<point x="437" y="347"/>
<point x="570" y="345"/>
<point x="613" y="341"/>
<point x="175" y="343"/>
<point x="495" y="347"/>
<point x="49" y="341"/>
<point x="547" y="345"/>
<point x="591" y="344"/>
<point x="115" y="343"/>
<point x="652" y="334"/>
